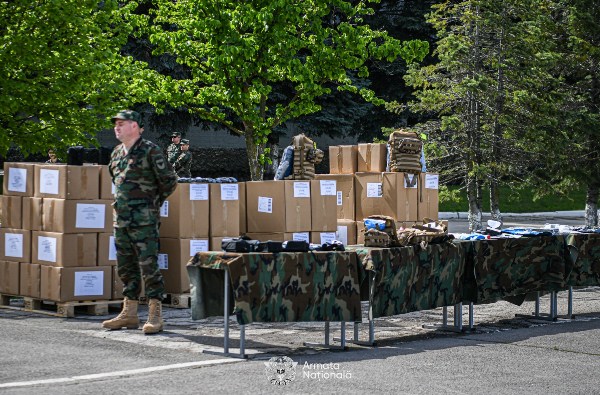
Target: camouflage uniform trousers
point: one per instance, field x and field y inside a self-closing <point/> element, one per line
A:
<point x="137" y="258"/>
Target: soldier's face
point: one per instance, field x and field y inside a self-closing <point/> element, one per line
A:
<point x="176" y="139"/>
<point x="126" y="130"/>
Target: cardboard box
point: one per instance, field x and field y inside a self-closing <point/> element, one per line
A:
<point x="77" y="216"/>
<point x="265" y="206"/>
<point x="18" y="179"/>
<point x="322" y="237"/>
<point x="346" y="231"/>
<point x="360" y="232"/>
<point x="372" y="157"/>
<point x="324" y="205"/>
<point x="343" y="159"/>
<point x="117" y="285"/>
<point x="11" y="215"/>
<point x="107" y="251"/>
<point x="400" y="193"/>
<point x="344" y="194"/>
<point x="67" y="284"/>
<point x="298" y="206"/>
<point x="30" y="280"/>
<point x="9" y="278"/>
<point x="429" y="196"/>
<point x="64" y="249"/>
<point x="173" y="258"/>
<point x="107" y="188"/>
<point x="226" y="204"/>
<point x="67" y="182"/>
<point x="368" y="195"/>
<point x="32" y="213"/>
<point x="273" y="236"/>
<point x="15" y="245"/>
<point x="186" y="213"/>
<point x="297" y="236"/>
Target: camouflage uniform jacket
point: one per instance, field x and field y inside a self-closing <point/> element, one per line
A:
<point x="143" y="180"/>
<point x="173" y="151"/>
<point x="183" y="164"/>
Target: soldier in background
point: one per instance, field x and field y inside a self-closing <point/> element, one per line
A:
<point x="52" y="158"/>
<point x="174" y="149"/>
<point x="143" y="180"/>
<point x="183" y="163"/>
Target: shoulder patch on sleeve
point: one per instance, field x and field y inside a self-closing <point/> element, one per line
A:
<point x="160" y="163"/>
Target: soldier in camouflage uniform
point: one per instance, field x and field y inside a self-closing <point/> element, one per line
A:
<point x="174" y="149"/>
<point x="143" y="179"/>
<point x="183" y="163"/>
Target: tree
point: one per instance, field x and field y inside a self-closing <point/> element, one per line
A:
<point x="61" y="73"/>
<point x="488" y="91"/>
<point x="240" y="52"/>
<point x="575" y="158"/>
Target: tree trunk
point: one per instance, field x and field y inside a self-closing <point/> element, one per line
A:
<point x="591" y="206"/>
<point x="271" y="168"/>
<point x="474" y="198"/>
<point x="495" y="200"/>
<point x="254" y="151"/>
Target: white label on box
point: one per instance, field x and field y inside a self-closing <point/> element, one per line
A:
<point x="342" y="234"/>
<point x="301" y="189"/>
<point x="163" y="261"/>
<point x="230" y="192"/>
<point x="328" y="187"/>
<point x="112" y="249"/>
<point x="46" y="249"/>
<point x="327" y="237"/>
<point x="90" y="216"/>
<point x="164" y="209"/>
<point x="411" y="178"/>
<point x="198" y="191"/>
<point x="432" y="181"/>
<point x="198" y="246"/>
<point x="374" y="190"/>
<point x="340" y="197"/>
<point x="49" y="181"/>
<point x="89" y="283"/>
<point x="17" y="179"/>
<point x="13" y="245"/>
<point x="265" y="204"/>
<point x="301" y="236"/>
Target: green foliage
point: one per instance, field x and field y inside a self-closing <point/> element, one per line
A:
<point x="239" y="53"/>
<point x="514" y="200"/>
<point x="60" y="71"/>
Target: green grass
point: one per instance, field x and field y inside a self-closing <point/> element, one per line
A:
<point x="517" y="201"/>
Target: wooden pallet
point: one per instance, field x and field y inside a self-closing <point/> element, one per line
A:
<point x="61" y="309"/>
<point x="175" y="301"/>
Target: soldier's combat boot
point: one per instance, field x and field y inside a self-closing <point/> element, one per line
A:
<point x="128" y="318"/>
<point x="155" y="322"/>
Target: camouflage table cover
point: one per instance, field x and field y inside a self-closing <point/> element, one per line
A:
<point x="289" y="287"/>
<point x="413" y="278"/>
<point x="517" y="266"/>
<point x="583" y="259"/>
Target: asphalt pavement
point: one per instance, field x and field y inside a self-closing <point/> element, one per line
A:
<point x="504" y="354"/>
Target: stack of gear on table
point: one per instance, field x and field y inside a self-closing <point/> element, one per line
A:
<point x="244" y="244"/>
<point x="380" y="231"/>
<point x="299" y="160"/>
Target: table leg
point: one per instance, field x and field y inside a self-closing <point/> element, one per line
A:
<point x="371" y="342"/>
<point x="456" y="327"/>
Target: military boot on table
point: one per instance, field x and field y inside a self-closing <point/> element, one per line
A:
<point x="128" y="318"/>
<point x="155" y="322"/>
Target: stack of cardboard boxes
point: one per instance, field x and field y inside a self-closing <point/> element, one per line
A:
<point x="52" y="252"/>
<point x="365" y="188"/>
